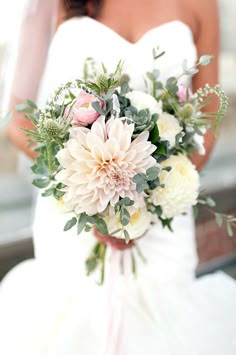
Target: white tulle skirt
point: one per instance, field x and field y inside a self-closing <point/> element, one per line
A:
<point x="49" y="307"/>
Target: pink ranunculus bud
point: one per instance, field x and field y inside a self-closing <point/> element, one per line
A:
<point x="184" y="93"/>
<point x="81" y="111"/>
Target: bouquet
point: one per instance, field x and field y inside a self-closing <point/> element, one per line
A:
<point x="118" y="158"/>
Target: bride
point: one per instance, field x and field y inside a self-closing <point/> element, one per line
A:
<point x="47" y="305"/>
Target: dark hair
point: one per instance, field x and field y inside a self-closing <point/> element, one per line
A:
<point x="82" y="7"/>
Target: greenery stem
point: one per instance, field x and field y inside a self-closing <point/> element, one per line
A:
<point x="49" y="157"/>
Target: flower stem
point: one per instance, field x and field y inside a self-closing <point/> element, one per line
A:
<point x="49" y="157"/>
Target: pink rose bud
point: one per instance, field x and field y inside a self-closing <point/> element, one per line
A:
<point x="81" y="111"/>
<point x="184" y="93"/>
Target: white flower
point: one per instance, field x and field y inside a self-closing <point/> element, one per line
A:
<point x="142" y="101"/>
<point x="168" y="127"/>
<point x="100" y="163"/>
<point x="199" y="140"/>
<point x="181" y="187"/>
<point x="139" y="223"/>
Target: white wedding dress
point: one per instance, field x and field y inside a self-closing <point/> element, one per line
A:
<point x="48" y="306"/>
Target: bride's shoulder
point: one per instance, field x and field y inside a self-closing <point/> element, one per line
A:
<point x="201" y="16"/>
<point x="204" y="10"/>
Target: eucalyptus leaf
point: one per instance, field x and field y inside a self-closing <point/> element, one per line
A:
<point x="69" y="224"/>
<point x="152" y="173"/>
<point x="98" y="108"/>
<point x="81" y="222"/>
<point x="126" y="201"/>
<point x="205" y="60"/>
<point x="229" y="229"/>
<point x="140" y="178"/>
<point x="124" y="217"/>
<point x="102" y="226"/>
<point x="127" y="236"/>
<point x="210" y="202"/>
<point x="41" y="182"/>
<point x="219" y="219"/>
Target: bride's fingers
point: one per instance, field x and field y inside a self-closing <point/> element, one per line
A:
<point x="116" y="243"/>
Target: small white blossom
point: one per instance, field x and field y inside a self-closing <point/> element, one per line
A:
<point x="140" y="220"/>
<point x="168" y="127"/>
<point x="143" y="101"/>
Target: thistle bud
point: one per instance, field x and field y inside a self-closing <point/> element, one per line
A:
<point x="102" y="80"/>
<point x="186" y="111"/>
<point x="52" y="128"/>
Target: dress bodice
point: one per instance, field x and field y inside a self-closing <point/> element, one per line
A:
<point x="80" y="38"/>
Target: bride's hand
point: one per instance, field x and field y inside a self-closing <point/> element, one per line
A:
<point x="116" y="243"/>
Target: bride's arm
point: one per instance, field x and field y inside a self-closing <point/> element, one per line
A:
<point x="207" y="41"/>
<point x="36" y="32"/>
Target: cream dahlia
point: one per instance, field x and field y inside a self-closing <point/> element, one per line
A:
<point x="99" y="165"/>
<point x="181" y="187"/>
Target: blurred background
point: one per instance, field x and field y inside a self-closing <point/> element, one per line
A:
<point x="216" y="250"/>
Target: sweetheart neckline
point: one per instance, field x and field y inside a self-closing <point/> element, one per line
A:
<point x="144" y="35"/>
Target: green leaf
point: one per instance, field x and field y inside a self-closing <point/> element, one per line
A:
<point x="47" y="193"/>
<point x="205" y="60"/>
<point x="141" y="187"/>
<point x="156" y="73"/>
<point x="81" y="222"/>
<point x="101" y="226"/>
<point x="124" y="88"/>
<point x="41" y="182"/>
<point x="158" y="211"/>
<point x="153" y="184"/>
<point x="152" y="173"/>
<point x="126" y="201"/>
<point x="150" y="76"/>
<point x="167" y="223"/>
<point x="171" y="85"/>
<point x="154" y="135"/>
<point x="69" y="224"/>
<point x="210" y="202"/>
<point x="219" y="219"/>
<point x="167" y="168"/>
<point x="140" y="178"/>
<point x="124" y="216"/>
<point x="192" y="71"/>
<point x="91" y="265"/>
<point x="97" y="107"/>
<point x="229" y="229"/>
<point x="127" y="236"/>
<point x="31" y="104"/>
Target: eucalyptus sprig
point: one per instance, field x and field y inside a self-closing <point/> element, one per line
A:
<point x="221" y="218"/>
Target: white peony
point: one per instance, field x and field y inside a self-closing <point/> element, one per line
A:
<point x="142" y="101"/>
<point x="181" y="187"/>
<point x="139" y="223"/>
<point x="168" y="127"/>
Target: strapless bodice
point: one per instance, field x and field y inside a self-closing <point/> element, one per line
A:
<point x="80" y="38"/>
